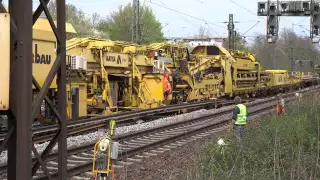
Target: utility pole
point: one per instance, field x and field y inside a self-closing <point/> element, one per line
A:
<point x="273" y="55"/>
<point x="231" y="32"/>
<point x="136" y="31"/>
<point x="293" y="64"/>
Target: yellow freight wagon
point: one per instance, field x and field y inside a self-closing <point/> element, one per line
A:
<point x="278" y="77"/>
<point x="44" y="55"/>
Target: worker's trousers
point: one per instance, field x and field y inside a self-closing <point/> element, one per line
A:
<point x="238" y="133"/>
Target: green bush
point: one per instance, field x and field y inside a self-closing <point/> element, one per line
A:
<point x="286" y="148"/>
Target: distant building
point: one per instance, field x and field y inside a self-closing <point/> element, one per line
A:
<point x="193" y="42"/>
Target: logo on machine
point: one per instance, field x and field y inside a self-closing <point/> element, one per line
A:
<point x="116" y="59"/>
<point x="40" y="58"/>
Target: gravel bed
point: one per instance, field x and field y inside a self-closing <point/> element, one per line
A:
<point x="75" y="141"/>
<point x="170" y="165"/>
<point x="175" y="164"/>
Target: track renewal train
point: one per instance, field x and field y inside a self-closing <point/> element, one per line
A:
<point x="105" y="77"/>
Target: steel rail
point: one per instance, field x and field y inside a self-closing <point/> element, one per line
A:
<point x="134" y="151"/>
<point x="84" y="167"/>
<point x="84" y="125"/>
<point x="124" y="137"/>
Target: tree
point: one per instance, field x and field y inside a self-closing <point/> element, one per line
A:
<point x="239" y="43"/>
<point x="202" y="33"/>
<point x="119" y="25"/>
<point x="75" y="16"/>
<point x="287" y="52"/>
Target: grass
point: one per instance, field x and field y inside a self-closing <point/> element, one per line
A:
<point x="285" y="148"/>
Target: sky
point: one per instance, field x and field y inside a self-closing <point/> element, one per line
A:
<point x="182" y="18"/>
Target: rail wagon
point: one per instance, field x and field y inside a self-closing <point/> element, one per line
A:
<point x="44" y="55"/>
<point x="106" y="76"/>
<point x="119" y="75"/>
<point x="211" y="72"/>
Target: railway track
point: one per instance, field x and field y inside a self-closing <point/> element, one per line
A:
<point x="147" y="142"/>
<point x="136" y="144"/>
<point x="46" y="133"/>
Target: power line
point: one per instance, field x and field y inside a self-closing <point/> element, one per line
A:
<point x="248" y="21"/>
<point x="246" y="9"/>
<point x="302" y="20"/>
<point x="304" y="28"/>
<point x="180" y="15"/>
<point x="192" y="23"/>
<point x="184" y="14"/>
<point x="251" y="28"/>
<point x="213" y="30"/>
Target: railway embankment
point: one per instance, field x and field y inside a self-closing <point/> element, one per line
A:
<point x="286" y="148"/>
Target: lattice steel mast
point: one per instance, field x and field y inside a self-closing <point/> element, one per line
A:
<point x="136" y="31"/>
<point x="231" y="32"/>
<point x="23" y="109"/>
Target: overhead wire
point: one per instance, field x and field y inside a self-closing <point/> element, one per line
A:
<point x="251" y="28"/>
<point x="232" y="1"/>
<point x="180" y="15"/>
<point x="304" y="31"/>
<point x="178" y="12"/>
<point x="246" y="9"/>
<point x="213" y="30"/>
<point x="200" y="19"/>
<point x="302" y="20"/>
<point x="304" y="28"/>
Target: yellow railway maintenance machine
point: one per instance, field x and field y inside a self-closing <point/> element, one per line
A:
<point x="119" y="75"/>
<point x="76" y="86"/>
<point x="44" y="55"/>
<point x="203" y="74"/>
<point x="211" y="71"/>
<point x="105" y="154"/>
<point x="4" y="68"/>
<point x="5" y="61"/>
<point x="171" y="55"/>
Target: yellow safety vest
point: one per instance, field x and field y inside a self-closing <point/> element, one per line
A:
<point x="242" y="116"/>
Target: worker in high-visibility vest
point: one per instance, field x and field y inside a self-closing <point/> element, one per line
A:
<point x="166" y="86"/>
<point x="280" y="107"/>
<point x="239" y="118"/>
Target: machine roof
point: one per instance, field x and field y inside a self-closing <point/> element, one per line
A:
<point x="43" y="24"/>
<point x="100" y="43"/>
<point x="155" y="46"/>
<point x="90" y="42"/>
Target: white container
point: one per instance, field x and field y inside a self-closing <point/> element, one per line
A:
<point x="78" y="62"/>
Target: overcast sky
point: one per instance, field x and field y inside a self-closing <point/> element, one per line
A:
<point x="212" y="12"/>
